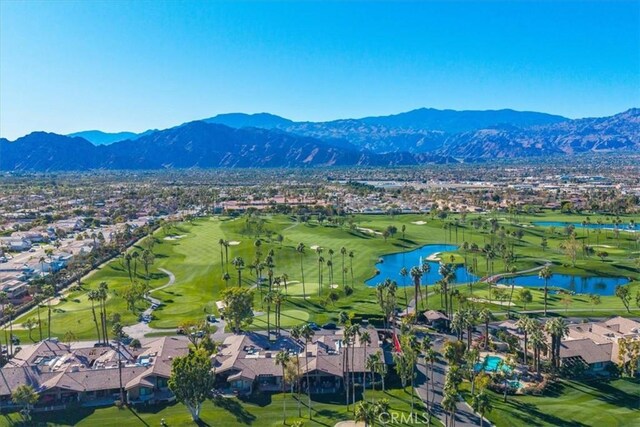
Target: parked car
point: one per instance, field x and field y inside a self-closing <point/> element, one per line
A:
<point x="212" y="319"/>
<point x="330" y="326"/>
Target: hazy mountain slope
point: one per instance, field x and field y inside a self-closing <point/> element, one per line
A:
<point x="42" y="151"/>
<point x="97" y="137"/>
<point x="195" y="144"/>
<point x="241" y="120"/>
<point x="619" y="132"/>
<point x="421" y="130"/>
<point x="452" y="121"/>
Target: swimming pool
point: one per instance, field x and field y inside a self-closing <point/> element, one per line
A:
<point x="491" y="364"/>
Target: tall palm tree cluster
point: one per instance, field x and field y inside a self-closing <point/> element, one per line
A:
<point x="100" y="296"/>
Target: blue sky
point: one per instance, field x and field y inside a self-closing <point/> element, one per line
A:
<point x="117" y="65"/>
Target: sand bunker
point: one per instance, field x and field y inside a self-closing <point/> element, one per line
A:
<point x="502" y="303"/>
<point x="370" y="231"/>
<point x="174" y="237"/>
<point x="234" y="243"/>
<point x="314" y="247"/>
<point x="434" y="257"/>
<point x="419" y="222"/>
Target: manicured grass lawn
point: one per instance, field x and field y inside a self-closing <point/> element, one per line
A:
<point x="195" y="261"/>
<point x="261" y="410"/>
<point x="572" y="403"/>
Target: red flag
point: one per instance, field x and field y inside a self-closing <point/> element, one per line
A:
<point x="396" y="343"/>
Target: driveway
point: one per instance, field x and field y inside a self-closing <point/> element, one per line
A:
<point x="465" y="416"/>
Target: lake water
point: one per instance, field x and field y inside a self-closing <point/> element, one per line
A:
<point x="391" y="265"/>
<point x="607" y="226"/>
<point x="578" y="284"/>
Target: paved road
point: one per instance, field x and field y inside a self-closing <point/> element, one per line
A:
<point x="465" y="416"/>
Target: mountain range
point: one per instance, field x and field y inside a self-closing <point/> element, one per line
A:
<point x="265" y="140"/>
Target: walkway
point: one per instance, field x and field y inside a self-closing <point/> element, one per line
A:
<point x="140" y="329"/>
<point x="496" y="277"/>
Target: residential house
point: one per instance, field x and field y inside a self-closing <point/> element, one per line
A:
<point x="85" y="375"/>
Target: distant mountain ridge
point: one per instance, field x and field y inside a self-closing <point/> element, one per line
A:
<point x="616" y="133"/>
<point x="266" y="140"/>
<point x="98" y="137"/>
<point x="421" y="130"/>
<point x="192" y="145"/>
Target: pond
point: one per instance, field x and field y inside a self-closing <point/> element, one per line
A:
<point x="604" y="286"/>
<point x="392" y="264"/>
<point x="604" y="226"/>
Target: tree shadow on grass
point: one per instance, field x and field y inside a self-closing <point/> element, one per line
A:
<point x="611" y="395"/>
<point x="234" y="407"/>
<point x="360" y="235"/>
<point x="529" y="412"/>
<point x="328" y="413"/>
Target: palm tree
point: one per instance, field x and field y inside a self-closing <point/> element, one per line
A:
<point x="470" y="318"/>
<point x="355" y="331"/>
<point x="365" y="340"/>
<point x="226" y="277"/>
<point x="307" y="333"/>
<point x="558" y="329"/>
<point x="285" y="277"/>
<point x="330" y="265"/>
<point x="545" y="274"/>
<point x="226" y="253"/>
<point x="320" y="264"/>
<point x="238" y="263"/>
<point x="449" y="399"/>
<point x="268" y="299"/>
<point x="257" y="245"/>
<point x="296" y="333"/>
<point x="38" y="300"/>
<point x="539" y="343"/>
<point x="103" y="288"/>
<point x="416" y="275"/>
<point x="282" y="358"/>
<point x="351" y="256"/>
<point x="346" y="341"/>
<point x="365" y="412"/>
<point x="4" y="299"/>
<point x="221" y="243"/>
<point x="48" y="293"/>
<point x="431" y="356"/>
<point x="426" y="268"/>
<point x="343" y="252"/>
<point x="404" y="273"/>
<point x="524" y="324"/>
<point x="10" y="311"/>
<point x="486" y="316"/>
<point x="371" y="366"/>
<point x="481" y="403"/>
<point x="94" y="296"/>
<point x="278" y="299"/>
<point x="300" y="250"/>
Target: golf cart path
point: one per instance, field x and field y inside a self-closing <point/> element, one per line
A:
<point x="138" y="330"/>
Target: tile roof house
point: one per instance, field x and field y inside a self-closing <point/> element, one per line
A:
<point x="247" y="362"/>
<point x="595" y="344"/>
<point x="87" y="375"/>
